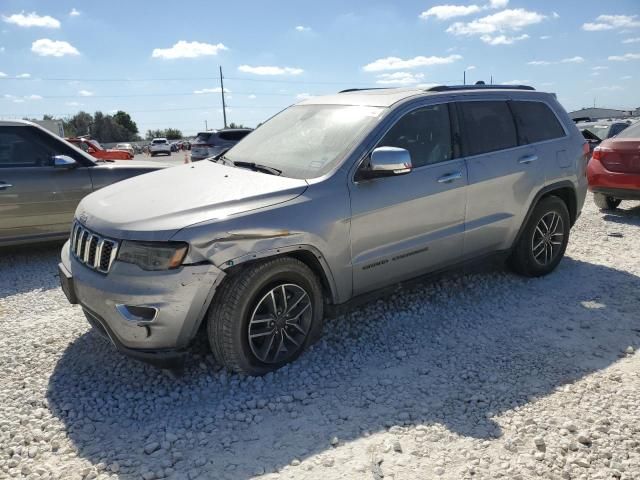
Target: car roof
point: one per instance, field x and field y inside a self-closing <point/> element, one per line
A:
<point x="17" y="123"/>
<point x="386" y="97"/>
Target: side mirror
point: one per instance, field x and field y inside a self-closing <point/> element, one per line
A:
<point x="63" y="161"/>
<point x="388" y="162"/>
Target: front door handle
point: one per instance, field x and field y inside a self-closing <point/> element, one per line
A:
<point x="528" y="159"/>
<point x="450" y="177"/>
<point x="4" y="186"/>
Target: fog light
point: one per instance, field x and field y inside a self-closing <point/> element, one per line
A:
<point x="137" y="313"/>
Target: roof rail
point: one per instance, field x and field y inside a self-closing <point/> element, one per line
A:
<point x="446" y="88"/>
<point x="361" y="89"/>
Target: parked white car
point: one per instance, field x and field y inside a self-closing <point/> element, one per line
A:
<point x="125" y="147"/>
<point x="158" y="146"/>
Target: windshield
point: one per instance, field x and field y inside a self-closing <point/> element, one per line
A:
<point x="305" y="141"/>
<point x="204" y="137"/>
<point x="159" y="141"/>
<point x="95" y="144"/>
<point x="632" y="131"/>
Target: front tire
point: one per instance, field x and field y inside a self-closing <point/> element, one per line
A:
<point x="604" y="202"/>
<point x="265" y="316"/>
<point x="544" y="240"/>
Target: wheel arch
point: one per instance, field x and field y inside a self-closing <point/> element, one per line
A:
<point x="565" y="190"/>
<point x="307" y="254"/>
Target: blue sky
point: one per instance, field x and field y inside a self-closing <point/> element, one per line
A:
<point x="160" y="63"/>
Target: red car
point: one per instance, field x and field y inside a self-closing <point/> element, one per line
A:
<point x="614" y="169"/>
<point x="92" y="147"/>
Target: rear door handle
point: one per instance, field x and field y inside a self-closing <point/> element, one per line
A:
<point x="4" y="186"/>
<point x="450" y="177"/>
<point x="528" y="159"/>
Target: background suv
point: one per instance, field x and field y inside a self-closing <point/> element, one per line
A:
<point x="332" y="198"/>
<point x="43" y="178"/>
<point x="158" y="146"/>
<point x="208" y="144"/>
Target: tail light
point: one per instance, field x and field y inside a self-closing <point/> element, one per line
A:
<point x="615" y="161"/>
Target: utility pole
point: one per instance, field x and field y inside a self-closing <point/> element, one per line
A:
<point x="224" y="107"/>
<point x="205" y="126"/>
<point x="464" y="77"/>
<point x="491" y="80"/>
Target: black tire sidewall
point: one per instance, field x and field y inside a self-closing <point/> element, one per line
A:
<point x="546" y="206"/>
<point x="255" y="289"/>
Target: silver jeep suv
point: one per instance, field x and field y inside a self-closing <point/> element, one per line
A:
<point x="331" y="198"/>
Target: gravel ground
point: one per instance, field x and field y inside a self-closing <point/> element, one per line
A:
<point x="478" y="374"/>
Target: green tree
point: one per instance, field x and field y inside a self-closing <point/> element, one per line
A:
<point x="168" y="133"/>
<point x="236" y="125"/>
<point x="129" y="127"/>
<point x="79" y="124"/>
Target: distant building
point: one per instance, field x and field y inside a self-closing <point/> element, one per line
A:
<point x="600" y="113"/>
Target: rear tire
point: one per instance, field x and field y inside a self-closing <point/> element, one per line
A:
<point x="265" y="316"/>
<point x="544" y="239"/>
<point x="604" y="202"/>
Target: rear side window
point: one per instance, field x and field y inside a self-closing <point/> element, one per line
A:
<point x="536" y="122"/>
<point x="487" y="126"/>
<point x="616" y="128"/>
<point x="232" y="136"/>
<point x="631" y="132"/>
<point x="204" y="138"/>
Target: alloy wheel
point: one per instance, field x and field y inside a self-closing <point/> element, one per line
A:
<point x="548" y="237"/>
<point x="280" y="323"/>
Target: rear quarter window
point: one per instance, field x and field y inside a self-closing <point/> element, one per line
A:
<point x="487" y="126"/>
<point x="536" y="122"/>
<point x="204" y="138"/>
<point x="232" y="136"/>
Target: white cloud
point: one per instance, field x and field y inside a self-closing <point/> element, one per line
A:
<point x="270" y="70"/>
<point x="31" y="20"/>
<point x="544" y="63"/>
<point x="23" y="75"/>
<point x="626" y="77"/>
<point x="445" y="12"/>
<point x="184" y="49"/>
<point x="302" y="28"/>
<point x="33" y="97"/>
<point x="555" y="15"/>
<point x="576" y="59"/>
<point x="612" y="22"/>
<point x="399" y="78"/>
<point x="73" y="104"/>
<point x="303" y="96"/>
<point x="2" y="49"/>
<point x="631" y="40"/>
<point x="46" y="47"/>
<point x="502" y="39"/>
<point x="516" y="82"/>
<point x="74" y="12"/>
<point x="252" y="96"/>
<point x="599" y="68"/>
<point x="471" y="67"/>
<point x="211" y="90"/>
<point x="625" y="58"/>
<point x="498" y="3"/>
<point x="396" y="63"/>
<point x="2" y="74"/>
<point x="22" y="99"/>
<point x="85" y="93"/>
<point x="545" y="37"/>
<point x="511" y="20"/>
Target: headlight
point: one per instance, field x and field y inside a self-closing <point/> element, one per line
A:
<point x="153" y="255"/>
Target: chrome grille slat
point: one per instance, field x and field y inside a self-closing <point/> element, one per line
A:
<point x="92" y="250"/>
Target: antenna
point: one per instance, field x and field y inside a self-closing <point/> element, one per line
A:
<point x="224" y="107"/>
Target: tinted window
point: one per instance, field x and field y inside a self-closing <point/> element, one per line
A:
<point x="233" y="136"/>
<point x="28" y="147"/>
<point x="487" y="126"/>
<point x="204" y="137"/>
<point x="536" y="122"/>
<point x="616" y="128"/>
<point x="425" y="133"/>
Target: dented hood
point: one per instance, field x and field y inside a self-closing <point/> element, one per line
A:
<point x="156" y="205"/>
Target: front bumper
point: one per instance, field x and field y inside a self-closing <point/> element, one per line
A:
<point x="181" y="298"/>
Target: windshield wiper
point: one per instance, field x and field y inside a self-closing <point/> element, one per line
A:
<point x="257" y="167"/>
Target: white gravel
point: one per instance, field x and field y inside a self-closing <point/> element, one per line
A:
<point x="479" y="374"/>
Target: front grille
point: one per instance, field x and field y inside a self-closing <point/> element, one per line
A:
<point x="96" y="252"/>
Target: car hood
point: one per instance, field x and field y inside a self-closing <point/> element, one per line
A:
<point x="156" y="205"/>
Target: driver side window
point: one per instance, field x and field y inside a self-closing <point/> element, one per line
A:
<point x="425" y="133"/>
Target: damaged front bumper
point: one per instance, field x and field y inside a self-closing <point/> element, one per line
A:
<point x="151" y="316"/>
